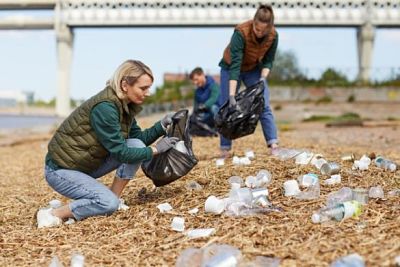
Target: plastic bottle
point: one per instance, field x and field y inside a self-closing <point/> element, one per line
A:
<point x="385" y="164"/>
<point x="339" y="212"/>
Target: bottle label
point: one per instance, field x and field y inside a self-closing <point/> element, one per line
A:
<point x="351" y="209"/>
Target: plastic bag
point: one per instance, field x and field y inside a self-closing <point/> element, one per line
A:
<point x="202" y="124"/>
<point x="241" y="120"/>
<point x="171" y="165"/>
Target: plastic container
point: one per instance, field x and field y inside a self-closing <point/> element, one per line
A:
<point x="385" y="164"/>
<point x="339" y="212"/>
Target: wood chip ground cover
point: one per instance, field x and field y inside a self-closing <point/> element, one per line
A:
<point x="141" y="236"/>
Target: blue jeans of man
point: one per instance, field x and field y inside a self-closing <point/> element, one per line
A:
<point x="267" y="118"/>
<point x="91" y="197"/>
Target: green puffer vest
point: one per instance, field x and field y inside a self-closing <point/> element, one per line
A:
<point x="75" y="145"/>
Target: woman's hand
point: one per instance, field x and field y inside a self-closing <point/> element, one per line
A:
<point x="166" y="144"/>
<point x="167" y="120"/>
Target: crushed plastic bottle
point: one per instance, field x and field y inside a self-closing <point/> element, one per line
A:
<point x="352" y="260"/>
<point x="385" y="164"/>
<point x="376" y="192"/>
<point x="344" y="194"/>
<point x="285" y="153"/>
<point x="304" y="158"/>
<point x="339" y="212"/>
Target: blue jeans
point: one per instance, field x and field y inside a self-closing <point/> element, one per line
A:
<point x="267" y="118"/>
<point x="91" y="197"/>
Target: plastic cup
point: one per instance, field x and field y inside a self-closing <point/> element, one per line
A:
<point x="361" y="195"/>
<point x="214" y="205"/>
<point x="251" y="182"/>
<point x="259" y="192"/>
<point x="249" y="154"/>
<point x="376" y="192"/>
<point x="219" y="162"/>
<point x="291" y="188"/>
<point x="330" y="168"/>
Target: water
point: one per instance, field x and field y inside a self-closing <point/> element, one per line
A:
<point x="26" y="121"/>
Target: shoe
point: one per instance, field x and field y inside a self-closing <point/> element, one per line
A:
<point x="45" y="218"/>
<point x="122" y="205"/>
<point x="224" y="154"/>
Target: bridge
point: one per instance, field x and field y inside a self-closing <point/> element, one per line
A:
<point x="365" y="15"/>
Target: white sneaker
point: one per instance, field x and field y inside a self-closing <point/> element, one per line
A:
<point x="46" y="219"/>
<point x="122" y="205"/>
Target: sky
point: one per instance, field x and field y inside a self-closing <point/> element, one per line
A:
<point x="28" y="59"/>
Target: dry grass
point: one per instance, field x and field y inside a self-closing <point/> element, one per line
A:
<point x="142" y="236"/>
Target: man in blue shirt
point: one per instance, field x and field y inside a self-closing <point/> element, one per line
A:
<point x="207" y="92"/>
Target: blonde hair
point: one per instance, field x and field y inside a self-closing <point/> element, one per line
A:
<point x="129" y="71"/>
<point x="265" y="14"/>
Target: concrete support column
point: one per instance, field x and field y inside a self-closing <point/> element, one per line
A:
<point x="365" y="38"/>
<point x="65" y="38"/>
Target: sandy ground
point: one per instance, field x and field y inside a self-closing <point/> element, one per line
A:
<point x="142" y="236"/>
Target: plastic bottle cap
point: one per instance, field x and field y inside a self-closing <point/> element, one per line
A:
<point x="316" y="218"/>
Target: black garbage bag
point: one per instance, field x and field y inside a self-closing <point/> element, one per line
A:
<point x="241" y="120"/>
<point x="202" y="124"/>
<point x="171" y="165"/>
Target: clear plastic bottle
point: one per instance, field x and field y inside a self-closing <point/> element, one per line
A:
<point x="339" y="212"/>
<point x="385" y="164"/>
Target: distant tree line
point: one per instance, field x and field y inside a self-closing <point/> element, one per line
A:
<point x="286" y="72"/>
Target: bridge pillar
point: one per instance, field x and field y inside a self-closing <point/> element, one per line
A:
<point x="365" y="38"/>
<point x="65" y="38"/>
